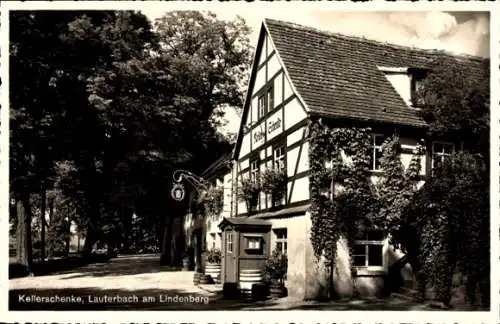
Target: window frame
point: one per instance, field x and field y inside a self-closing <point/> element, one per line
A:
<point x="261" y="106"/>
<point x="253" y="240"/>
<point x="282" y="240"/>
<point x="229" y="242"/>
<point x="280" y="146"/>
<point x="254" y="168"/>
<point x="257" y="239"/>
<point x="279" y="158"/>
<point x="440" y="154"/>
<point x="373" y="151"/>
<point x="367" y="243"/>
<point x="417" y="76"/>
<point x="265" y="101"/>
<point x="269" y="93"/>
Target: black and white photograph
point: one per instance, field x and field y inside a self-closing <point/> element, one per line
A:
<point x="264" y="160"/>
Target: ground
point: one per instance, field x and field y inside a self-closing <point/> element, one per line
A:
<point x="147" y="285"/>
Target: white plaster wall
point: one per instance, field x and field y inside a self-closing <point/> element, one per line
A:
<point x="262" y="155"/>
<point x="288" y="89"/>
<point x="254" y="110"/>
<point x="296" y="248"/>
<point x="269" y="46"/>
<point x="402" y="84"/>
<point x="244" y="164"/>
<point x="269" y="151"/>
<point x="242" y="207"/>
<point x="292" y="157"/>
<point x="294" y="113"/>
<point x="262" y="57"/>
<point x="295" y="136"/>
<point x="227" y="195"/>
<point x="273" y="66"/>
<point x="260" y="79"/>
<point x="300" y="189"/>
<point x="278" y="89"/>
<point x="245" y="145"/>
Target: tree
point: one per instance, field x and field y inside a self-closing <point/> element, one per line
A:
<point x="110" y="73"/>
<point x="449" y="217"/>
<point x="33" y="60"/>
<point x="176" y="84"/>
<point x="456" y="94"/>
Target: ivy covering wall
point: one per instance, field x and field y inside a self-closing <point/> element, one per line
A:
<point x="435" y="226"/>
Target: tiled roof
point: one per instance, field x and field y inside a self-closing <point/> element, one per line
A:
<point x="283" y="212"/>
<point x="243" y="221"/>
<point x="338" y="76"/>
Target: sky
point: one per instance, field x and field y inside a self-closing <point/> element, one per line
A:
<point x="456" y="32"/>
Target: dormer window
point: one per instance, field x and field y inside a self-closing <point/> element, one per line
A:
<point x="417" y="81"/>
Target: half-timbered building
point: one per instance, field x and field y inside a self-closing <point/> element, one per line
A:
<point x="301" y="74"/>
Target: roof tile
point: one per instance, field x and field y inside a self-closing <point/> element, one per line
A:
<point x="338" y="76"/>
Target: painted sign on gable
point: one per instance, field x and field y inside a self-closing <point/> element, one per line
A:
<point x="258" y="136"/>
<point x="274" y="125"/>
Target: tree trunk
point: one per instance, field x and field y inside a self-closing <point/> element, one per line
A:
<point x="24" y="248"/>
<point x="68" y="238"/>
<point x="43" y="224"/>
<point x="127" y="226"/>
<point x="166" y="258"/>
<point x="90" y="239"/>
<point x="51" y="215"/>
<point x="198" y="247"/>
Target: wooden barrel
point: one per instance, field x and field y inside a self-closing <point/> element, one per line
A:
<point x="212" y="270"/>
<point x="249" y="277"/>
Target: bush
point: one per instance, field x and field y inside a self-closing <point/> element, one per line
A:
<point x="274" y="183"/>
<point x="276" y="266"/>
<point x="214" y="256"/>
<point x="249" y="191"/>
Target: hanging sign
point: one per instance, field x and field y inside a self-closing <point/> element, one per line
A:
<point x="178" y="192"/>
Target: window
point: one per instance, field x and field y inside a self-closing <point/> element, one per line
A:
<point x="368" y="251"/>
<point x="253" y="243"/>
<point x="281" y="239"/>
<point x="279" y="158"/>
<point x="376" y="153"/>
<point x="265" y="102"/>
<point x="270" y="99"/>
<point x="213" y="240"/>
<point x="279" y="165"/>
<point x="417" y="81"/>
<point x="229" y="242"/>
<point x="440" y="152"/>
<point x="261" y="106"/>
<point x="254" y="169"/>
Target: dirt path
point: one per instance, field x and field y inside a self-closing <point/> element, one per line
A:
<point x="128" y="277"/>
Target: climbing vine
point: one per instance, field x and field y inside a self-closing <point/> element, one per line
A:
<point x="341" y="190"/>
<point x="451" y="215"/>
<point x="396" y="187"/>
